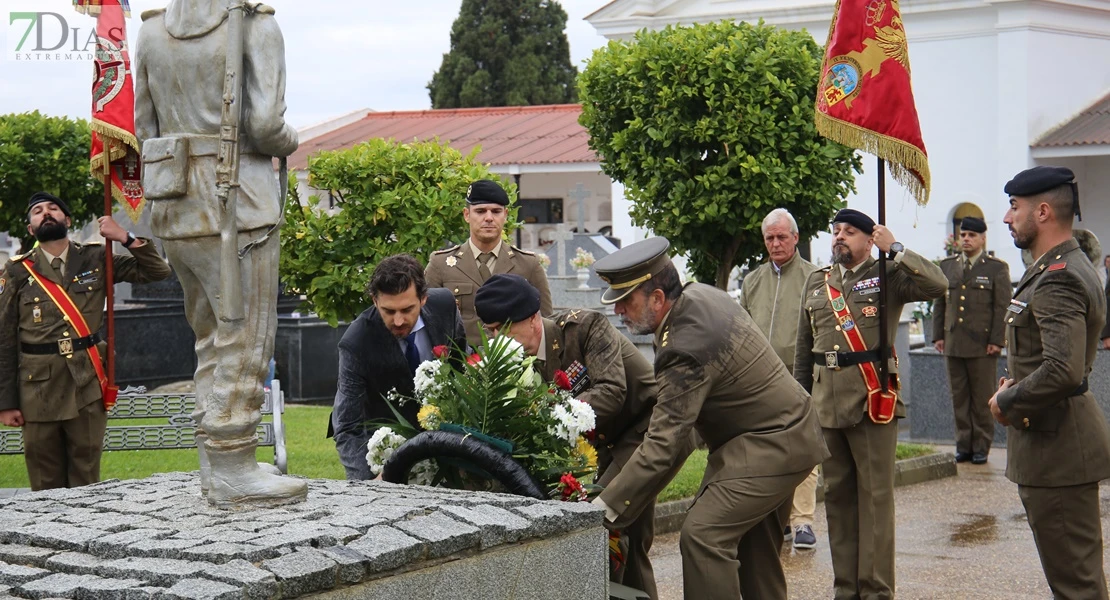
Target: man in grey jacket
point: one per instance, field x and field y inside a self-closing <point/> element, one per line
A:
<point x="772" y="295"/>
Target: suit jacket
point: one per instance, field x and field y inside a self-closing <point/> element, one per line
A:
<point x="370" y="365"/>
<point x="841" y="395"/>
<point x="969" y="314"/>
<point x="718" y="375"/>
<point x="618" y="382"/>
<point x="53" y="387"/>
<point x="456" y="269"/>
<point x="1057" y="437"/>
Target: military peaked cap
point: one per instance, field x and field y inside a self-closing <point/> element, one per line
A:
<point x="40" y="197"/>
<point x="506" y="298"/>
<point x="1037" y="180"/>
<point x="485" y="191"/>
<point x="856" y="219"/>
<point x="973" y="224"/>
<point x="625" y="269"/>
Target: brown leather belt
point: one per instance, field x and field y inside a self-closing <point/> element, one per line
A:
<point x="62" y="346"/>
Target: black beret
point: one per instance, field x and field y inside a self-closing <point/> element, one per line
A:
<point x="1031" y="182"/>
<point x="40" y="197"/>
<point x="485" y="191"/>
<point x="506" y="298"/>
<point x="627" y="268"/>
<point x="856" y="219"/>
<point x="973" y="224"/>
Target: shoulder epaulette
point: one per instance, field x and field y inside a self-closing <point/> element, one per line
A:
<point x="1058" y="266"/>
<point x="154" y="12"/>
<point x="524" y="252"/>
<point x="994" y="258"/>
<point x="948" y="258"/>
<point x="447" y="250"/>
<point x="20" y="257"/>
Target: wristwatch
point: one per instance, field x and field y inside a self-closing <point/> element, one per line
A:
<point x="131" y="240"/>
<point x="895" y="248"/>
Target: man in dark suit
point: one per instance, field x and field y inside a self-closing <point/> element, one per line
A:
<point x="381" y="351"/>
<point x="607" y="372"/>
<point x="1058" y="444"/>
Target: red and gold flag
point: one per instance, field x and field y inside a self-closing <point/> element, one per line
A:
<point x="115" y="150"/>
<point x="864" y="96"/>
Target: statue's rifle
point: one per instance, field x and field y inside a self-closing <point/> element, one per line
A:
<point x="227" y="170"/>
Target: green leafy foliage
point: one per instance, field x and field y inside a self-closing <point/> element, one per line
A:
<point x="709" y="128"/>
<point x="45" y="154"/>
<point x="506" y="53"/>
<point x="390" y="198"/>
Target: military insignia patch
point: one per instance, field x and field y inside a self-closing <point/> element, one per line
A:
<point x="1016" y="307"/>
<point x="2" y="283"/>
<point x="1058" y="266"/>
<point x="838" y="304"/>
<point x="579" y="379"/>
<point x="871" y="311"/>
<point x="452" y="261"/>
<point x="848" y="325"/>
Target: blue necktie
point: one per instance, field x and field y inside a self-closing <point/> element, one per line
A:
<point x="411" y="352"/>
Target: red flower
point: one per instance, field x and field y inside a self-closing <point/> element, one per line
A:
<point x="473" y="359"/>
<point x="561" y="380"/>
<point x="570" y="487"/>
<point x="590" y="435"/>
<point x="440" y="351"/>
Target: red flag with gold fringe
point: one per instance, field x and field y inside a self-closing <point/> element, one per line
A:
<point x="864" y="96"/>
<point x="115" y="149"/>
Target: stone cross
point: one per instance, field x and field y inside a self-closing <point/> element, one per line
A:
<point x="562" y="236"/>
<point x="580" y="193"/>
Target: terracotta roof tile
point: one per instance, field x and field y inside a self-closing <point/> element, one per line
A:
<point x="507" y="135"/>
<point x="1091" y="126"/>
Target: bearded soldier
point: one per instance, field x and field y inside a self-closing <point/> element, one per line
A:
<point x="210" y="94"/>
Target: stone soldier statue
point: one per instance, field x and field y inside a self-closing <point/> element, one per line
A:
<point x="717" y="375"/>
<point x="1058" y="446"/>
<point x="49" y="384"/>
<point x="465" y="267"/>
<point x="210" y="92"/>
<point x="606" y="371"/>
<point x="968" y="330"/>
<point x="841" y="304"/>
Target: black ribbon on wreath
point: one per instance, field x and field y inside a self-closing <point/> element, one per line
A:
<point x="468" y="448"/>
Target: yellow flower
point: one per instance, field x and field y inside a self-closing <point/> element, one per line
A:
<point x="583" y="450"/>
<point x="429" y="417"/>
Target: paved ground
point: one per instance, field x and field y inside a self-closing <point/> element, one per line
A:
<point x="962" y="537"/>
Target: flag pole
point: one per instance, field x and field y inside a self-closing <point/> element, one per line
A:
<point x="884" y="364"/>
<point x="109" y="274"/>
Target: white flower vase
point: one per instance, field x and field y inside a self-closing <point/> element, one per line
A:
<point x="583" y="278"/>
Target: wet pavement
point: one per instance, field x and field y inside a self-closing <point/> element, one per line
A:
<point x="959" y="538"/>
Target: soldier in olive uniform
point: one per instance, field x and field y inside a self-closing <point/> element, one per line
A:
<point x="606" y="371"/>
<point x="463" y="268"/>
<point x="1058" y="444"/>
<point x="717" y="375"/>
<point x="968" y="330"/>
<point x="56" y="397"/>
<point x="859" y="477"/>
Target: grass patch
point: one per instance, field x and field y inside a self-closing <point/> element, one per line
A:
<point x="913" y="451"/>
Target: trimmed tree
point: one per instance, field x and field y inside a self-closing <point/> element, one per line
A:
<point x="709" y="128"/>
<point x="506" y="53"/>
<point x="45" y="154"/>
<point x="390" y="199"/>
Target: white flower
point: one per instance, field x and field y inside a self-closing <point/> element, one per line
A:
<point x="381" y="446"/>
<point x="425" y="378"/>
<point x="529" y="379"/>
<point x="515" y="351"/>
<point x="575" y="418"/>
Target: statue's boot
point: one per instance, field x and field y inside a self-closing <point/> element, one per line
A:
<point x="238" y="481"/>
<point x="206" y="467"/>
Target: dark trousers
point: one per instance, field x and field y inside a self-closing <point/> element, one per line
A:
<point x="62" y="454"/>
<point x="859" y="506"/>
<point x="1068" y="531"/>
<point x="973" y="381"/>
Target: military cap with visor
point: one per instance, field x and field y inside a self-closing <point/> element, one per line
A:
<point x="484" y="191"/>
<point x="40" y="197"/>
<point x="856" y="219"/>
<point x="627" y="268"/>
<point x="1038" y="180"/>
<point x="506" y="298"/>
<point x="973" y="224"/>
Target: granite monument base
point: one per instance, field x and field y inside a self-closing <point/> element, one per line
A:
<point x="159" y="538"/>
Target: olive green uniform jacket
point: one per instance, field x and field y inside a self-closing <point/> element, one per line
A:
<point x="773" y="298"/>
<point x="968" y="316"/>
<point x="456" y="269"/>
<point x="841" y="395"/>
<point x="1056" y="438"/>
<point x="718" y="375"/>
<point x="53" y="387"/>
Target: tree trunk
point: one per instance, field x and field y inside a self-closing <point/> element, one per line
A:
<point x="725" y="266"/>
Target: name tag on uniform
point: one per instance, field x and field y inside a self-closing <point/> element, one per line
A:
<point x="86" y="278"/>
<point x="579" y="379"/>
<point x="867" y="286"/>
<point x="1017" y="306"/>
